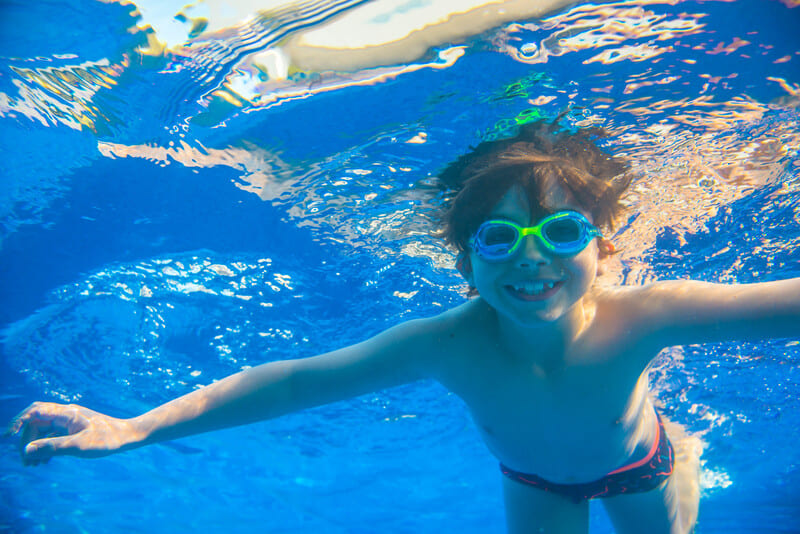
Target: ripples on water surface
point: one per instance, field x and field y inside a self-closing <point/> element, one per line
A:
<point x="185" y="196"/>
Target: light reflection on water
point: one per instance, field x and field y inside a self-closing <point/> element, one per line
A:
<point x="703" y="149"/>
<point x="643" y="91"/>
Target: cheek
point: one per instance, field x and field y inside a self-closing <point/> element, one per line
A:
<point x="584" y="266"/>
<point x="479" y="275"/>
<point x="473" y="271"/>
<point x="482" y="274"/>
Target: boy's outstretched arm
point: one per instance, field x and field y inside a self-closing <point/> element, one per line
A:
<point x="391" y="358"/>
<point x="687" y="312"/>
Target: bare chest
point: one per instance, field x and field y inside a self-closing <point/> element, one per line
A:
<point x="567" y="422"/>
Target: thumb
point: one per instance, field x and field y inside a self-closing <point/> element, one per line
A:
<point x="42" y="450"/>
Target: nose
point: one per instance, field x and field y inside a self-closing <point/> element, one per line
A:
<point x="532" y="254"/>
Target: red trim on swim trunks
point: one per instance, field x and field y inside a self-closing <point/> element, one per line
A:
<point x="647" y="458"/>
<point x="631" y="479"/>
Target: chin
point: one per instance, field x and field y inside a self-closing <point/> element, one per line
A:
<point x="536" y="318"/>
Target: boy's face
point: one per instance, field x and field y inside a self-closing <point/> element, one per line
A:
<point x="534" y="285"/>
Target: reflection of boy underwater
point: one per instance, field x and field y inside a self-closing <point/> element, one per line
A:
<point x="552" y="367"/>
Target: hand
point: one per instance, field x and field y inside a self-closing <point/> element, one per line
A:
<point x="49" y="429"/>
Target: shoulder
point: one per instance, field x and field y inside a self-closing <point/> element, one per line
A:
<point x="649" y="300"/>
<point x="446" y="340"/>
<point x="622" y="304"/>
<point x="469" y="318"/>
<point x="633" y="313"/>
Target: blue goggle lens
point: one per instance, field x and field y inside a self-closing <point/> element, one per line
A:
<point x="563" y="231"/>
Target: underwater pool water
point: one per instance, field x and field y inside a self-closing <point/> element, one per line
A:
<point x="175" y="208"/>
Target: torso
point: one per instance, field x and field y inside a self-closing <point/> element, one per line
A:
<point x="570" y="417"/>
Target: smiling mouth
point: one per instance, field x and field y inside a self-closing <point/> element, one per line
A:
<point x="531" y="291"/>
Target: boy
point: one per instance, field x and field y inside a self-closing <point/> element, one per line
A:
<point x="552" y="369"/>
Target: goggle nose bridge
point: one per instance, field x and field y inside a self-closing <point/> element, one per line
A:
<point x="522" y="233"/>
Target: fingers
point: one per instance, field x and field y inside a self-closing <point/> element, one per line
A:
<point x="40" y="420"/>
<point x="16" y="424"/>
<point x="36" y="412"/>
<point x="44" y="415"/>
<point x="50" y="429"/>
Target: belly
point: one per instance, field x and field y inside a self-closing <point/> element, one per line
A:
<point x="566" y="449"/>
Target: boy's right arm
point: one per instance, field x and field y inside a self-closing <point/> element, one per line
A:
<point x="396" y="356"/>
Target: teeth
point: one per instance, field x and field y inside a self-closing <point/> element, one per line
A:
<point x="533" y="288"/>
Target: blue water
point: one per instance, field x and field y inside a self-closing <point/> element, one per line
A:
<point x="155" y="238"/>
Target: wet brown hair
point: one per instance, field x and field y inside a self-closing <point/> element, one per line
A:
<point x="539" y="155"/>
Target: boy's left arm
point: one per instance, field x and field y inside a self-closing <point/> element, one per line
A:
<point x="688" y="312"/>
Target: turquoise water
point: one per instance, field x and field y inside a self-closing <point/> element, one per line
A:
<point x="171" y="216"/>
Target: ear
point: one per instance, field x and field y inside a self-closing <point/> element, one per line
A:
<point x="605" y="249"/>
<point x="464" y="267"/>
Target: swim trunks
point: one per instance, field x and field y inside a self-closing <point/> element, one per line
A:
<point x="637" y="477"/>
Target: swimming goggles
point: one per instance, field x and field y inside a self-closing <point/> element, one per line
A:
<point x="564" y="233"/>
